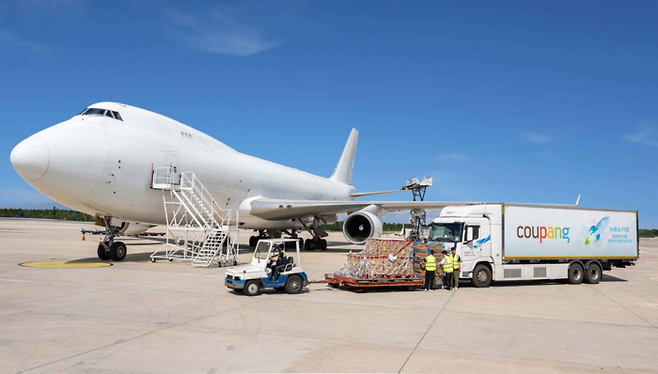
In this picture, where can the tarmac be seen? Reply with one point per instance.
(169, 317)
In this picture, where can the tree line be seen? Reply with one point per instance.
(54, 213)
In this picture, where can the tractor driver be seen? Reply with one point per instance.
(272, 262)
(280, 263)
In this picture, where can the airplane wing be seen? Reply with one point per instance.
(275, 209)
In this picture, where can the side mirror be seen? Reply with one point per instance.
(469, 235)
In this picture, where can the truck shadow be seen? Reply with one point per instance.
(605, 279)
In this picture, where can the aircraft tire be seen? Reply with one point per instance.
(323, 244)
(118, 251)
(102, 253)
(309, 245)
(253, 241)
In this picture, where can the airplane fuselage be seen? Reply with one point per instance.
(103, 166)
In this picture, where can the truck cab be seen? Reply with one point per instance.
(252, 278)
(469, 229)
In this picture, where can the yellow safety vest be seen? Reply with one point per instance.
(455, 261)
(430, 263)
(447, 264)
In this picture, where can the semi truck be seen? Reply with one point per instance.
(502, 242)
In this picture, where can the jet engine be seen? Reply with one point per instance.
(360, 226)
(136, 228)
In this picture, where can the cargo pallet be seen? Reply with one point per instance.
(360, 284)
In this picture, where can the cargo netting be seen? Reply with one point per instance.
(381, 259)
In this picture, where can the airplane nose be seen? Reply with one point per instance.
(31, 158)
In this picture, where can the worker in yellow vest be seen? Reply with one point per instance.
(430, 269)
(456, 265)
(448, 268)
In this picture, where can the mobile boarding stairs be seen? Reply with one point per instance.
(198, 229)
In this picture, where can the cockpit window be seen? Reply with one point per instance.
(94, 112)
(101, 112)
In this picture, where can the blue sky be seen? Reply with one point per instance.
(498, 101)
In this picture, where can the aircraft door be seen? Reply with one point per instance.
(171, 161)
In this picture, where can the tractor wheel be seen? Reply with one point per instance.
(295, 284)
(252, 288)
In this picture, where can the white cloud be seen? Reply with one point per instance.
(646, 134)
(219, 33)
(535, 137)
(7, 37)
(452, 157)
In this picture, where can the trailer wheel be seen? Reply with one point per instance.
(252, 288)
(593, 273)
(575, 273)
(294, 284)
(481, 276)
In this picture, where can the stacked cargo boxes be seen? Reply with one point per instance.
(420, 252)
(381, 259)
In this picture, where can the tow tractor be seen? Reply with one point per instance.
(252, 278)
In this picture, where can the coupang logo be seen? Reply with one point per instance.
(595, 231)
(543, 233)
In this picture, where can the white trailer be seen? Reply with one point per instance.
(507, 242)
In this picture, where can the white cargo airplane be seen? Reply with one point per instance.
(101, 162)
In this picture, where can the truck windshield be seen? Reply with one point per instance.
(446, 232)
(261, 250)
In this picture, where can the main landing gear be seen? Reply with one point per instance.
(275, 234)
(317, 243)
(108, 249)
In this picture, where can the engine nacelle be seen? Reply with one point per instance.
(360, 226)
(136, 228)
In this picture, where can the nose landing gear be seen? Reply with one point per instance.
(108, 249)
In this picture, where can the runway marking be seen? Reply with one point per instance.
(650, 305)
(64, 265)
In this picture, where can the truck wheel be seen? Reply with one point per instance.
(294, 284)
(252, 288)
(481, 276)
(593, 273)
(575, 275)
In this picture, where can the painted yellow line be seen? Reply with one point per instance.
(64, 265)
